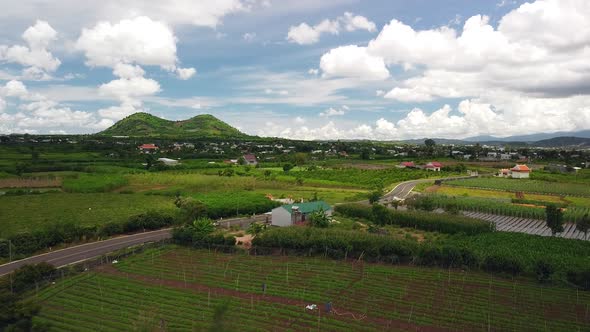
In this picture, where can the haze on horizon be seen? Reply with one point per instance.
(335, 69)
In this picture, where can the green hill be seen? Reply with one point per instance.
(147, 125)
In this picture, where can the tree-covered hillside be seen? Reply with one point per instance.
(147, 125)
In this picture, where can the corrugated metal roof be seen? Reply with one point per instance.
(308, 207)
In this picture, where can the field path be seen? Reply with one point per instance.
(524, 225)
(339, 313)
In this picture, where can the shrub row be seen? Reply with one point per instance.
(27, 243)
(187, 236)
(459, 251)
(337, 244)
(443, 223)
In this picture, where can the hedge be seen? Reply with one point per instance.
(443, 223)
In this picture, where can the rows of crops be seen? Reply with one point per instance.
(525, 185)
(528, 226)
(113, 303)
(503, 207)
(451, 299)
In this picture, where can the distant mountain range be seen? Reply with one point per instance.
(530, 138)
(580, 139)
(147, 125)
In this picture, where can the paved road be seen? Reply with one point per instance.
(402, 190)
(82, 252)
(524, 225)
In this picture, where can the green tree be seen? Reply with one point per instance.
(21, 168)
(583, 225)
(149, 161)
(365, 154)
(256, 228)
(242, 161)
(554, 218)
(430, 144)
(202, 227)
(319, 219)
(267, 173)
(375, 195)
(287, 167)
(190, 208)
(300, 158)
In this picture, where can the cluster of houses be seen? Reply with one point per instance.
(430, 166)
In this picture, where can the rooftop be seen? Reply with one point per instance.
(308, 207)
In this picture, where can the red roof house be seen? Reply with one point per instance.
(148, 148)
(520, 172)
(433, 166)
(407, 164)
(250, 159)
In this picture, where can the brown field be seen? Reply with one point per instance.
(31, 183)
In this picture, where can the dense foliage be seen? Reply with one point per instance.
(16, 313)
(337, 243)
(230, 204)
(443, 223)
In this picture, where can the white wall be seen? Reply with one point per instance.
(520, 175)
(281, 217)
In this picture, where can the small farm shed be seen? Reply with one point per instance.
(291, 214)
(168, 161)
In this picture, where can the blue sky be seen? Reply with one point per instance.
(299, 69)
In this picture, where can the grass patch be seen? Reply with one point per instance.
(26, 213)
(524, 185)
(90, 183)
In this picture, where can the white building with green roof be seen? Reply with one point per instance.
(298, 213)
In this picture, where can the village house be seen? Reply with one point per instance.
(406, 164)
(148, 148)
(433, 166)
(298, 213)
(250, 159)
(516, 172)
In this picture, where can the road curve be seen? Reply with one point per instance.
(86, 251)
(402, 190)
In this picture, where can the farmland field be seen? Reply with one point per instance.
(525, 185)
(504, 207)
(28, 212)
(184, 289)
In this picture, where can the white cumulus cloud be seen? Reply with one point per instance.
(305, 34)
(353, 61)
(36, 57)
